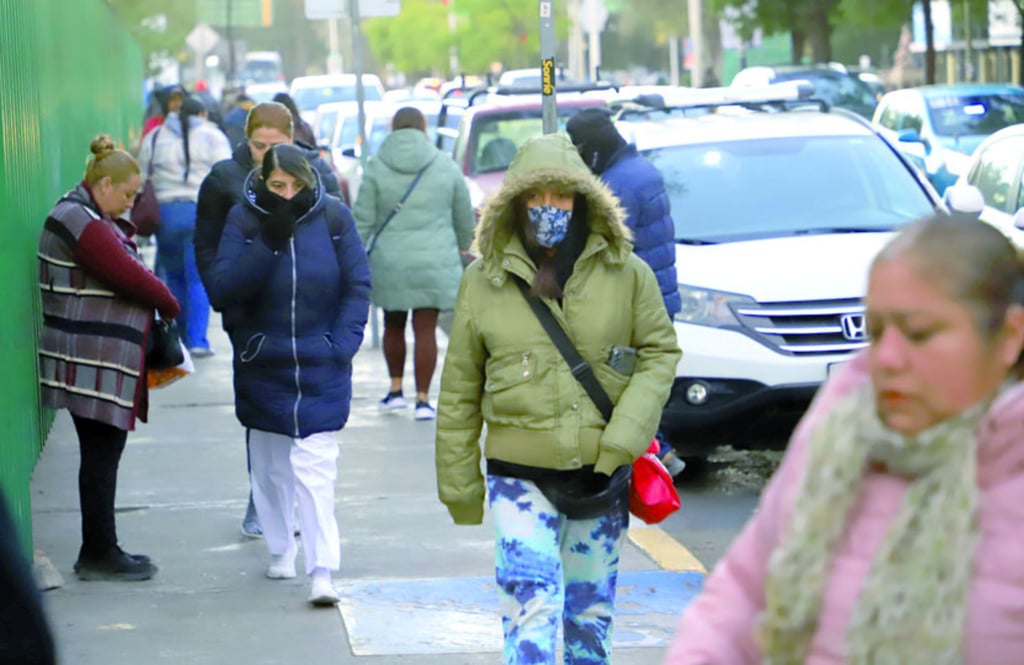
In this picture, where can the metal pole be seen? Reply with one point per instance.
(968, 57)
(593, 41)
(696, 43)
(453, 32)
(549, 107)
(357, 66)
(232, 79)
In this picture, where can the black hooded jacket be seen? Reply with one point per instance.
(223, 188)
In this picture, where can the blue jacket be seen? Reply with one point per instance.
(641, 190)
(302, 312)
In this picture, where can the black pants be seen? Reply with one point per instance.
(101, 446)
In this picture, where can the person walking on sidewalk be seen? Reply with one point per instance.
(181, 153)
(266, 125)
(640, 189)
(557, 474)
(293, 270)
(891, 531)
(98, 301)
(414, 213)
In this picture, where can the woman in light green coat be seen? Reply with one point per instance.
(415, 258)
(556, 471)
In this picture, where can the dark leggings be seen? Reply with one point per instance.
(101, 446)
(424, 324)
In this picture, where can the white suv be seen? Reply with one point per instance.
(778, 214)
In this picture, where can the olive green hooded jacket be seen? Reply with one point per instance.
(502, 369)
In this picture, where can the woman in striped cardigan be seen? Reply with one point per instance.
(98, 301)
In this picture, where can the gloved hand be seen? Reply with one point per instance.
(276, 227)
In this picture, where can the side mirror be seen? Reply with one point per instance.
(349, 152)
(964, 199)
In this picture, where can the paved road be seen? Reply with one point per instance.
(416, 588)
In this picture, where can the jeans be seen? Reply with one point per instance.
(176, 256)
(550, 568)
(101, 446)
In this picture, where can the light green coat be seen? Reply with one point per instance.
(415, 262)
(502, 369)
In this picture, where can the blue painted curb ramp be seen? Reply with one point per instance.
(460, 615)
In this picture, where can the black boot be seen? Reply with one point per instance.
(116, 565)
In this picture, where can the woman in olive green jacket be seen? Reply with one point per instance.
(556, 472)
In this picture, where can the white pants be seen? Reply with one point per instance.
(285, 468)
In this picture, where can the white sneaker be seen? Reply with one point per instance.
(425, 412)
(322, 593)
(393, 401)
(282, 567)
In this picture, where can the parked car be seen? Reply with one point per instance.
(483, 130)
(309, 92)
(347, 151)
(996, 169)
(778, 214)
(832, 84)
(938, 127)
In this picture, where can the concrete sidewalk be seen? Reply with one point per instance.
(416, 588)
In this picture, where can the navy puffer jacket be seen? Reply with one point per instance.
(301, 313)
(641, 190)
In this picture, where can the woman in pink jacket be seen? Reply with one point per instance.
(890, 532)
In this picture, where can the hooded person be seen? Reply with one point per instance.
(556, 471)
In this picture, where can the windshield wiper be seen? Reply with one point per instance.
(695, 241)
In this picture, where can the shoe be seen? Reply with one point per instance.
(282, 567)
(252, 529)
(424, 411)
(322, 593)
(392, 401)
(201, 352)
(117, 566)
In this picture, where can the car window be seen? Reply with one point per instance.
(913, 114)
(308, 99)
(996, 173)
(891, 115)
(325, 129)
(497, 136)
(789, 185)
(379, 130)
(956, 115)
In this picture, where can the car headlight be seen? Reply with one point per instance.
(704, 307)
(956, 162)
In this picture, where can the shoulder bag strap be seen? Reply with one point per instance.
(152, 154)
(582, 370)
(372, 241)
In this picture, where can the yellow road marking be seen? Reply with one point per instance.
(666, 551)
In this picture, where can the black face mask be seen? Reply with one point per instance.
(274, 203)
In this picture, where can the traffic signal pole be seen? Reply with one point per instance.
(549, 110)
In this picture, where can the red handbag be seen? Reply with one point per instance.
(652, 494)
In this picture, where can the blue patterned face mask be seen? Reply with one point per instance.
(550, 224)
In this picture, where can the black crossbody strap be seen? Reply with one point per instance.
(580, 368)
(372, 242)
(152, 154)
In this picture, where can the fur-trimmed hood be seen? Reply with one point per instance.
(551, 159)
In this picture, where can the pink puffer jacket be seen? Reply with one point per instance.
(718, 628)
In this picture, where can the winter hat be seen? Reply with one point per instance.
(594, 135)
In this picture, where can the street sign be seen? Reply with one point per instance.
(326, 9)
(202, 39)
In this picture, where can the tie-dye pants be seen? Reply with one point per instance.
(550, 567)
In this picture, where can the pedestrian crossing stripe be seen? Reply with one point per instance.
(460, 615)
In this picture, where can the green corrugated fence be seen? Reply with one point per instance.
(68, 71)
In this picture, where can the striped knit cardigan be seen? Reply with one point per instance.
(98, 301)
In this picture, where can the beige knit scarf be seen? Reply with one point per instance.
(912, 606)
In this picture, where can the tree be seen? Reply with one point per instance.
(1019, 4)
(157, 26)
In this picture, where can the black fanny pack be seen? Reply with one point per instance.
(587, 495)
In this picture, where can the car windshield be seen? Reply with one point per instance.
(307, 99)
(741, 190)
(957, 115)
(260, 71)
(499, 136)
(846, 92)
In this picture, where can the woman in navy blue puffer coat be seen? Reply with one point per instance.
(293, 272)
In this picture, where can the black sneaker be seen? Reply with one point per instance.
(118, 565)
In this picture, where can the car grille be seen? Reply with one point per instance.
(808, 328)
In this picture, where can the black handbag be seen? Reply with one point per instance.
(146, 210)
(164, 349)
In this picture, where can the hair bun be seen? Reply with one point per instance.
(102, 143)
